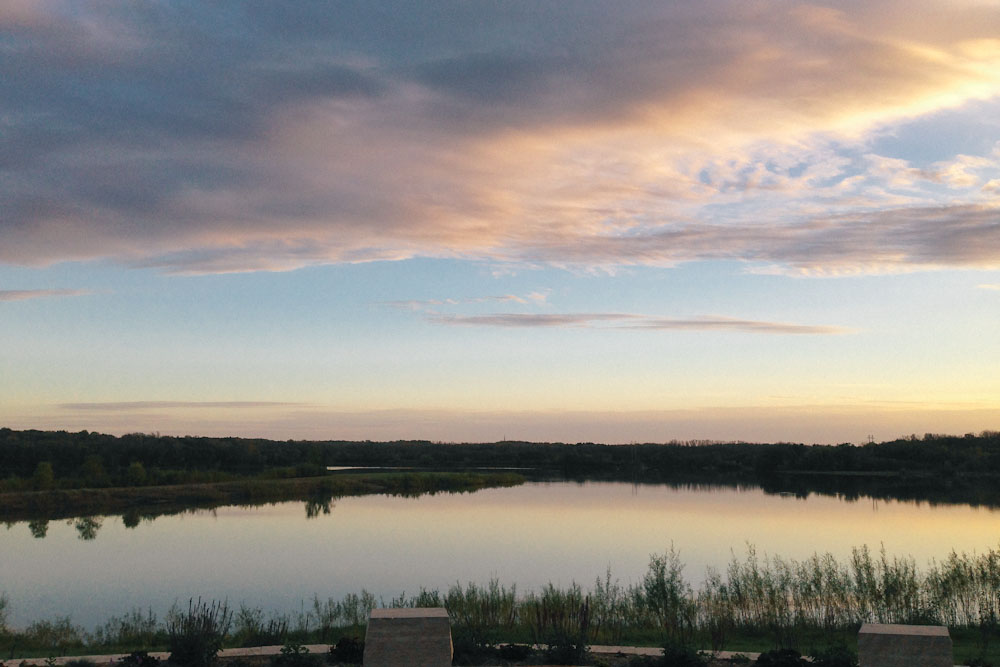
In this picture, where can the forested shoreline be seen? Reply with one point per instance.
(96, 457)
(59, 474)
(32, 460)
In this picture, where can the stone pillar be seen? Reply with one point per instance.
(884, 645)
(417, 637)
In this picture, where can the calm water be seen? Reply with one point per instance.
(276, 558)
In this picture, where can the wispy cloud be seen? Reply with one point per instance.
(634, 321)
(23, 295)
(536, 297)
(438, 130)
(738, 325)
(989, 286)
(167, 405)
(529, 319)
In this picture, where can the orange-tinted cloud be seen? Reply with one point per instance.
(558, 134)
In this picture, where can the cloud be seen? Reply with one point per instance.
(989, 286)
(738, 325)
(23, 295)
(633, 321)
(529, 320)
(537, 297)
(127, 406)
(220, 137)
(881, 242)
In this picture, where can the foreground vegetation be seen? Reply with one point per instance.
(757, 604)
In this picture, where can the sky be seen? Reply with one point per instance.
(477, 221)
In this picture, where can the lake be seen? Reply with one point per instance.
(278, 556)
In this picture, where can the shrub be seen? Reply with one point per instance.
(561, 621)
(139, 659)
(58, 635)
(835, 656)
(252, 630)
(567, 651)
(784, 657)
(196, 636)
(80, 662)
(466, 651)
(348, 649)
(134, 628)
(515, 652)
(668, 596)
(680, 655)
(294, 655)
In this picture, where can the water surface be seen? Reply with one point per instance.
(276, 557)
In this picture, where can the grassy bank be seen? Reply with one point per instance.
(756, 605)
(151, 501)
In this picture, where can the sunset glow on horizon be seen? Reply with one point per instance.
(638, 221)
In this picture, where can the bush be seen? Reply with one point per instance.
(139, 659)
(132, 629)
(784, 657)
(561, 621)
(567, 652)
(835, 656)
(79, 662)
(681, 655)
(252, 630)
(294, 655)
(196, 636)
(469, 652)
(515, 652)
(57, 636)
(668, 596)
(348, 649)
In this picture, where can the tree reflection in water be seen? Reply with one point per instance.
(39, 528)
(87, 527)
(318, 506)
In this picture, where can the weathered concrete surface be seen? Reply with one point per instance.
(419, 637)
(884, 645)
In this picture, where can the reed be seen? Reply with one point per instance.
(761, 596)
(132, 629)
(197, 636)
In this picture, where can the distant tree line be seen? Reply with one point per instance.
(40, 460)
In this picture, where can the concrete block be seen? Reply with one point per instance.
(419, 637)
(885, 645)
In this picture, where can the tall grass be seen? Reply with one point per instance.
(132, 629)
(197, 636)
(755, 595)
